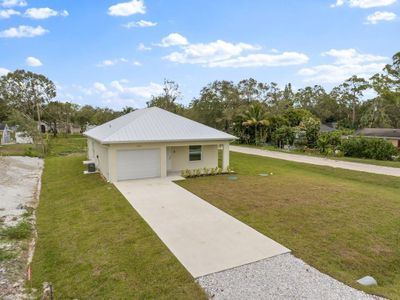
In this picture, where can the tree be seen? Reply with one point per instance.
(167, 100)
(350, 92)
(27, 92)
(256, 117)
(217, 106)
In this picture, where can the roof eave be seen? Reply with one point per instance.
(168, 141)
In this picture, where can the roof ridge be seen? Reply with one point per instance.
(130, 123)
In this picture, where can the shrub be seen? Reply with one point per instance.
(372, 148)
(329, 141)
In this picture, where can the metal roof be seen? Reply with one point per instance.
(379, 132)
(154, 125)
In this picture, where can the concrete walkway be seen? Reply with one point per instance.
(319, 161)
(203, 238)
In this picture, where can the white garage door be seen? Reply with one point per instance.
(134, 164)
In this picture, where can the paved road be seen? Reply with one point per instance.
(203, 238)
(319, 161)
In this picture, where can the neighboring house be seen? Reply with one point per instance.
(390, 134)
(327, 127)
(6, 135)
(153, 142)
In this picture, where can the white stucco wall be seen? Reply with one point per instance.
(180, 158)
(99, 154)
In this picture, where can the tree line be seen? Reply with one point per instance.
(254, 111)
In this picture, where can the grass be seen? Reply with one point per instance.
(58, 146)
(18, 150)
(6, 255)
(385, 163)
(93, 245)
(342, 222)
(19, 232)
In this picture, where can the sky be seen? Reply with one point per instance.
(118, 53)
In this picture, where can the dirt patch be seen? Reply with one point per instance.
(20, 187)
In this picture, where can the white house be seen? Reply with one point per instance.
(153, 142)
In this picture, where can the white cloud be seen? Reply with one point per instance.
(127, 8)
(23, 31)
(33, 62)
(100, 87)
(7, 13)
(3, 71)
(141, 23)
(229, 55)
(120, 92)
(12, 3)
(364, 3)
(380, 16)
(116, 61)
(173, 39)
(111, 62)
(263, 60)
(142, 47)
(347, 62)
(351, 56)
(44, 13)
(206, 53)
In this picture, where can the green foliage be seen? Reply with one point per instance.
(284, 135)
(167, 100)
(19, 232)
(6, 255)
(329, 141)
(372, 148)
(310, 128)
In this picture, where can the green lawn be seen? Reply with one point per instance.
(93, 245)
(385, 163)
(17, 150)
(344, 223)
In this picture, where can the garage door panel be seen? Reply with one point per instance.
(134, 164)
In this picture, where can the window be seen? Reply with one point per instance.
(194, 153)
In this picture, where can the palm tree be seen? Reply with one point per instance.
(256, 116)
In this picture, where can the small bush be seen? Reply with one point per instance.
(372, 148)
(19, 232)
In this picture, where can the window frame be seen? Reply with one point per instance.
(198, 152)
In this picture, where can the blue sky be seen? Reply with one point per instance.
(117, 53)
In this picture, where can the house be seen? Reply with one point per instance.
(390, 134)
(153, 142)
(323, 128)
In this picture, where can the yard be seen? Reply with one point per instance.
(385, 163)
(342, 222)
(92, 244)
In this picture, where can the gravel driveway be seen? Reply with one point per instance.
(280, 277)
(319, 161)
(19, 189)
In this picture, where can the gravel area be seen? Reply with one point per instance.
(19, 191)
(280, 277)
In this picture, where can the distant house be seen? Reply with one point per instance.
(153, 142)
(323, 128)
(390, 134)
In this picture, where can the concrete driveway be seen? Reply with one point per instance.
(203, 238)
(319, 161)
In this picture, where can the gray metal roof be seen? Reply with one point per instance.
(379, 132)
(154, 125)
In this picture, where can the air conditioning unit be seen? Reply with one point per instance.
(91, 167)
